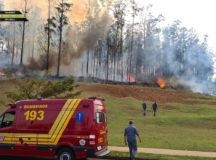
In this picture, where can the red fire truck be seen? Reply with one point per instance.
(54, 128)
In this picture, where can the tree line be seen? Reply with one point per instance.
(124, 42)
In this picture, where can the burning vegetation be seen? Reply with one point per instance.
(161, 83)
(131, 79)
(2, 74)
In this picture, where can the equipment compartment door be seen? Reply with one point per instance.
(24, 138)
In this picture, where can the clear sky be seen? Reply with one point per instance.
(197, 14)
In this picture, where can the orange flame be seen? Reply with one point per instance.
(2, 74)
(131, 79)
(161, 83)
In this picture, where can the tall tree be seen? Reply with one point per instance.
(23, 32)
(48, 35)
(119, 15)
(90, 24)
(13, 46)
(135, 10)
(50, 29)
(62, 20)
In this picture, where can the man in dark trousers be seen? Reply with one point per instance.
(130, 134)
(154, 108)
(144, 105)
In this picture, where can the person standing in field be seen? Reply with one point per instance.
(130, 135)
(144, 105)
(154, 108)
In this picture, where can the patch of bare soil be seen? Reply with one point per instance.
(141, 93)
(162, 96)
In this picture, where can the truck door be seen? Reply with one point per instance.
(101, 120)
(101, 127)
(25, 139)
(6, 132)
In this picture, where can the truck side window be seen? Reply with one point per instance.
(1, 118)
(105, 117)
(7, 119)
(99, 117)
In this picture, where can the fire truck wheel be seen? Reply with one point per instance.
(65, 154)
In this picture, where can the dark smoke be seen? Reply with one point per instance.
(72, 50)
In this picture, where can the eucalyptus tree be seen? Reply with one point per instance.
(23, 31)
(61, 20)
(134, 13)
(119, 13)
(91, 27)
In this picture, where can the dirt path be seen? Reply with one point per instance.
(140, 150)
(167, 152)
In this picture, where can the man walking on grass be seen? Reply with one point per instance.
(144, 105)
(130, 134)
(154, 108)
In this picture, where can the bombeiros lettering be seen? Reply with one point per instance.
(35, 106)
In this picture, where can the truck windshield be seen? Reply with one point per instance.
(7, 119)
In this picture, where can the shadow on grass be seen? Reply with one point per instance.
(103, 158)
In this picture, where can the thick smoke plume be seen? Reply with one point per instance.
(75, 42)
(73, 49)
(183, 59)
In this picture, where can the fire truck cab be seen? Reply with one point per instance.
(64, 129)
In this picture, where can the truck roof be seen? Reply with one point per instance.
(57, 100)
(40, 100)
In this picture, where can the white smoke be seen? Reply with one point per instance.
(1, 5)
(194, 69)
(5, 57)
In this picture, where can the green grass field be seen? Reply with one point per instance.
(177, 126)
